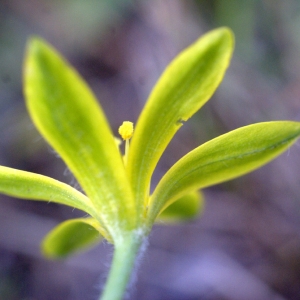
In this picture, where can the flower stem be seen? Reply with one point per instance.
(123, 263)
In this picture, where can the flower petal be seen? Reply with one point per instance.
(33, 186)
(70, 237)
(67, 114)
(223, 158)
(185, 208)
(186, 84)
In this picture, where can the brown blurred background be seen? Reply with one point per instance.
(246, 244)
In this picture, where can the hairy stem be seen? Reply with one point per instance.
(123, 263)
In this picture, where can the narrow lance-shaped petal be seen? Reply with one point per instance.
(186, 84)
(225, 157)
(27, 185)
(67, 114)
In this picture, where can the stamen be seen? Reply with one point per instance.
(126, 132)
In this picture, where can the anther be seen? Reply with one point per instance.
(126, 130)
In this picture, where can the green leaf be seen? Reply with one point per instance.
(186, 84)
(33, 186)
(70, 237)
(67, 114)
(185, 208)
(225, 157)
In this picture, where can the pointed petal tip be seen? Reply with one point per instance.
(34, 42)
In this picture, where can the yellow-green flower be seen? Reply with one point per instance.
(116, 188)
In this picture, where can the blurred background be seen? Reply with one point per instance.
(246, 243)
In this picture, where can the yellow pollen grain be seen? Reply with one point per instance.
(126, 130)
